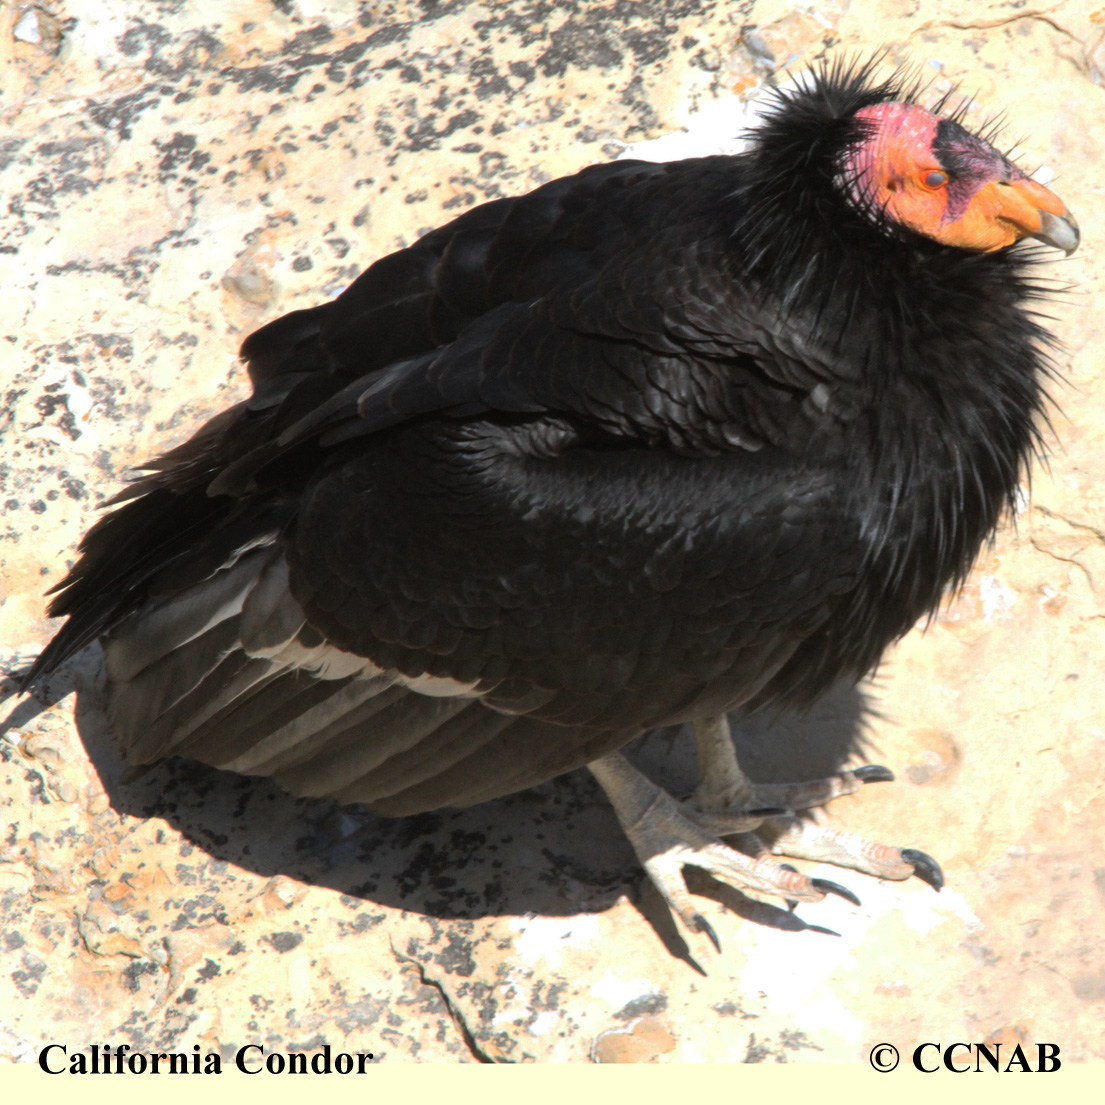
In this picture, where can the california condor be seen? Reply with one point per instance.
(652, 444)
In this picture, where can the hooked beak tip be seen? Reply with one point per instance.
(1060, 231)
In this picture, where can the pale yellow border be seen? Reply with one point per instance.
(564, 1084)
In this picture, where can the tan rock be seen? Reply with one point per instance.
(172, 179)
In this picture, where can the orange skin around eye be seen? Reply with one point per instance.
(895, 169)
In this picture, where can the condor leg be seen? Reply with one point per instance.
(724, 793)
(669, 835)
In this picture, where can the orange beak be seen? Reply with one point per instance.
(1004, 211)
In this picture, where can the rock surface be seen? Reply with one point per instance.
(175, 174)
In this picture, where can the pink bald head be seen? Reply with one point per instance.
(936, 178)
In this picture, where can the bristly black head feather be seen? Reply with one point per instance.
(805, 238)
(796, 184)
(870, 294)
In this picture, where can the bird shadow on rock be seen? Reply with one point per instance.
(555, 850)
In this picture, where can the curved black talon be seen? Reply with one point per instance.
(767, 811)
(828, 887)
(924, 867)
(702, 925)
(873, 773)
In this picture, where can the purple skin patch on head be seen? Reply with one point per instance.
(969, 163)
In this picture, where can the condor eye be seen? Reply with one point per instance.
(935, 179)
